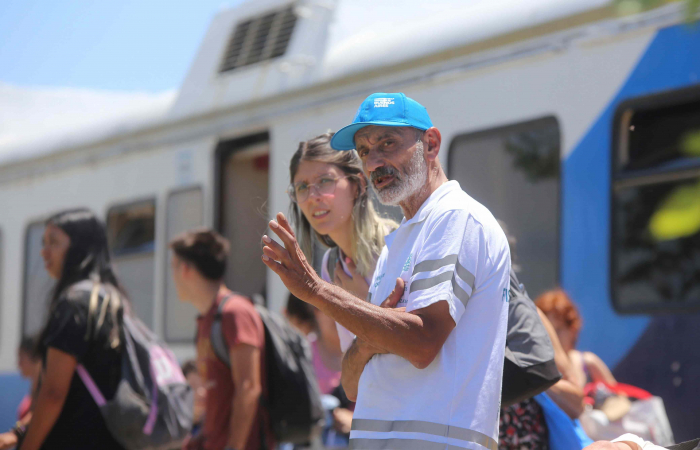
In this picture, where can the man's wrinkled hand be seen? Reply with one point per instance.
(393, 299)
(289, 262)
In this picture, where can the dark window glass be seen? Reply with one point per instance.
(514, 172)
(663, 138)
(131, 229)
(657, 245)
(655, 239)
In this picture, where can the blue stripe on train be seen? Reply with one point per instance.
(13, 388)
(671, 61)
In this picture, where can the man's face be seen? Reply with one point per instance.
(393, 160)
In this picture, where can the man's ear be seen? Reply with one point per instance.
(185, 269)
(432, 139)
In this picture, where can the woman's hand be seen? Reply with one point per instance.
(7, 440)
(289, 262)
(353, 283)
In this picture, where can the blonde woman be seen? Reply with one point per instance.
(330, 199)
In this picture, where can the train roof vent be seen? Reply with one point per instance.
(259, 39)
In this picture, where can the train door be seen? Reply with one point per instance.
(243, 216)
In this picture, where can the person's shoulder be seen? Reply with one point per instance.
(591, 359)
(77, 295)
(237, 303)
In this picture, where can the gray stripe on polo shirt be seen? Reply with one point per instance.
(460, 293)
(425, 283)
(434, 264)
(417, 426)
(400, 444)
(465, 275)
(395, 444)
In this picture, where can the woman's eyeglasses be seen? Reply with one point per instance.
(300, 192)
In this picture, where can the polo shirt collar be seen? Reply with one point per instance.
(425, 209)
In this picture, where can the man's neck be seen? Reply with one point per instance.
(204, 294)
(410, 206)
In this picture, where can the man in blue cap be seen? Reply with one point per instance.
(427, 364)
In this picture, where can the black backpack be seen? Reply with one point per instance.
(529, 366)
(293, 397)
(152, 407)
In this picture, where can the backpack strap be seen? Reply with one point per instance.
(92, 308)
(333, 256)
(516, 287)
(216, 336)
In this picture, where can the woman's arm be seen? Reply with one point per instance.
(55, 383)
(598, 369)
(354, 362)
(565, 393)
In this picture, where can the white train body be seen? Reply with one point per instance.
(219, 157)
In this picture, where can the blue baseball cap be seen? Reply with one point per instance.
(386, 110)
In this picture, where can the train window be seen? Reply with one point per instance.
(131, 235)
(37, 282)
(514, 171)
(655, 236)
(183, 212)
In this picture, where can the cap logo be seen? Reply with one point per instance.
(383, 102)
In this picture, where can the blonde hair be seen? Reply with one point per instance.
(368, 228)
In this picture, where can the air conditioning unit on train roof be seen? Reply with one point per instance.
(257, 50)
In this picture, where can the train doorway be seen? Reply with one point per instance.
(242, 209)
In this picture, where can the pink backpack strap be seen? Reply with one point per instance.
(90, 385)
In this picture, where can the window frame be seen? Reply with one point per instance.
(179, 190)
(514, 126)
(620, 179)
(25, 272)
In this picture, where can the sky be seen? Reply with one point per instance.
(126, 45)
(71, 63)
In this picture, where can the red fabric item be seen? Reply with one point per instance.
(24, 407)
(619, 389)
(241, 324)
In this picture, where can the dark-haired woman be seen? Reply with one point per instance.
(65, 416)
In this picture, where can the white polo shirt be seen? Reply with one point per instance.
(454, 250)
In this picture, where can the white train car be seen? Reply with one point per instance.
(536, 101)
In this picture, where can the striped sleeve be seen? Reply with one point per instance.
(447, 263)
